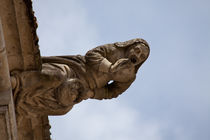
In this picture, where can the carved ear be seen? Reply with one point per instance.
(130, 42)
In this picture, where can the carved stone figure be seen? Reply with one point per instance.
(41, 86)
(103, 73)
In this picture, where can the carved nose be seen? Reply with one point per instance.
(137, 50)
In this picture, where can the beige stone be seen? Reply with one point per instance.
(7, 114)
(44, 86)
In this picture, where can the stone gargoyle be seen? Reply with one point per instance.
(104, 72)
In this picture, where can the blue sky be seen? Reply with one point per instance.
(170, 98)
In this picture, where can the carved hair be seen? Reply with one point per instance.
(131, 42)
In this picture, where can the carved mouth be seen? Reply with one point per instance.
(133, 59)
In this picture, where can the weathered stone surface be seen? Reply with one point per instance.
(53, 85)
(5, 132)
(7, 115)
(67, 80)
(21, 41)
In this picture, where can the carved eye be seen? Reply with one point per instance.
(142, 56)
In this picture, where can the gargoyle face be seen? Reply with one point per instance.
(138, 53)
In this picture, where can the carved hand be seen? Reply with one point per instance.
(123, 70)
(120, 65)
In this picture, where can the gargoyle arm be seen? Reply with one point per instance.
(97, 58)
(112, 90)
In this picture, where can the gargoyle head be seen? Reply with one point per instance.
(137, 50)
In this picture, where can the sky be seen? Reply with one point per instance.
(170, 98)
